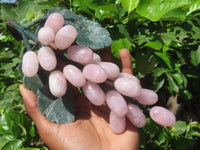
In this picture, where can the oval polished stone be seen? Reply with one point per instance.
(162, 116)
(80, 54)
(46, 35)
(95, 59)
(117, 123)
(57, 83)
(111, 69)
(47, 58)
(30, 64)
(94, 73)
(129, 76)
(136, 116)
(94, 93)
(74, 75)
(147, 97)
(127, 87)
(116, 103)
(55, 21)
(65, 37)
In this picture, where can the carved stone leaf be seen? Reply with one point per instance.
(60, 110)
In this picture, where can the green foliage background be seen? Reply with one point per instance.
(163, 37)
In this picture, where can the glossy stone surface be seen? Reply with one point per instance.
(94, 73)
(95, 59)
(127, 87)
(74, 75)
(162, 116)
(57, 83)
(46, 35)
(136, 116)
(80, 54)
(30, 64)
(111, 69)
(55, 21)
(116, 103)
(129, 76)
(147, 97)
(94, 93)
(47, 58)
(65, 37)
(117, 123)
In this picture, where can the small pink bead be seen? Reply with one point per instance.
(46, 35)
(162, 116)
(129, 76)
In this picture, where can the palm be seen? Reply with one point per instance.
(90, 131)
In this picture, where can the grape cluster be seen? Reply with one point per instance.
(90, 76)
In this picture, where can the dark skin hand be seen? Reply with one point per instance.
(91, 130)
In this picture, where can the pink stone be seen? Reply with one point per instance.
(147, 97)
(54, 21)
(162, 116)
(94, 93)
(129, 76)
(80, 54)
(116, 103)
(111, 69)
(65, 37)
(136, 116)
(95, 59)
(127, 87)
(30, 64)
(117, 123)
(74, 75)
(94, 73)
(57, 83)
(46, 35)
(47, 58)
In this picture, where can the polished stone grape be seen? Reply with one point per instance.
(47, 58)
(55, 21)
(65, 37)
(116, 103)
(57, 83)
(136, 116)
(111, 69)
(94, 93)
(129, 76)
(80, 54)
(74, 75)
(94, 73)
(30, 64)
(127, 87)
(162, 116)
(46, 35)
(147, 97)
(117, 123)
(95, 59)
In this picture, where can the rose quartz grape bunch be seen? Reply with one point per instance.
(93, 73)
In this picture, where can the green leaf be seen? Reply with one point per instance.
(157, 45)
(168, 36)
(13, 145)
(59, 110)
(129, 5)
(163, 56)
(194, 6)
(180, 127)
(5, 139)
(176, 14)
(155, 9)
(178, 78)
(172, 84)
(195, 57)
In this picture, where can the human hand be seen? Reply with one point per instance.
(91, 130)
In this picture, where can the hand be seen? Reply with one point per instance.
(91, 130)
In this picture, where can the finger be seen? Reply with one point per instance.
(106, 54)
(126, 62)
(30, 101)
